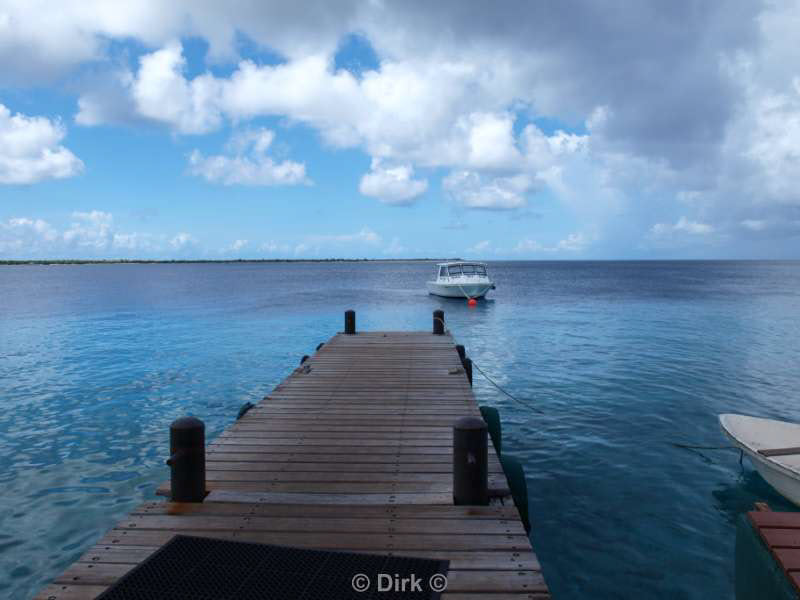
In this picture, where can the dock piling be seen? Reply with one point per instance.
(350, 322)
(468, 369)
(462, 353)
(470, 462)
(438, 322)
(187, 460)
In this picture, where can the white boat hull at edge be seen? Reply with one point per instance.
(752, 434)
(454, 290)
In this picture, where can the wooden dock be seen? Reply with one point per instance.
(353, 451)
(779, 533)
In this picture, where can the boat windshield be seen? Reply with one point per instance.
(454, 270)
(468, 270)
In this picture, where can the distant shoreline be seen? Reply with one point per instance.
(144, 261)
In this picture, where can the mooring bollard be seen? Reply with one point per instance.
(438, 322)
(468, 369)
(470, 461)
(304, 359)
(462, 353)
(187, 461)
(350, 322)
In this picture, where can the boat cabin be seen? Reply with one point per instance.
(447, 270)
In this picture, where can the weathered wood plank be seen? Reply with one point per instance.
(362, 511)
(330, 541)
(490, 561)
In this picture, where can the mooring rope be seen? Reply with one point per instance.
(492, 381)
(495, 384)
(690, 447)
(697, 449)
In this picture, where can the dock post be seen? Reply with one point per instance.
(438, 322)
(462, 353)
(187, 461)
(349, 322)
(470, 462)
(468, 369)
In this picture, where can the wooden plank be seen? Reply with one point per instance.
(780, 451)
(332, 449)
(789, 558)
(325, 525)
(493, 561)
(785, 520)
(261, 455)
(781, 538)
(444, 498)
(385, 476)
(298, 466)
(362, 511)
(330, 541)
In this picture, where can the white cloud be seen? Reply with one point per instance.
(182, 241)
(365, 236)
(163, 94)
(473, 190)
(90, 234)
(394, 248)
(238, 245)
(23, 234)
(108, 99)
(91, 230)
(340, 243)
(573, 243)
(480, 247)
(248, 164)
(754, 224)
(392, 185)
(31, 150)
(490, 140)
(273, 247)
(683, 225)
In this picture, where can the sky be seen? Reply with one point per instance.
(375, 129)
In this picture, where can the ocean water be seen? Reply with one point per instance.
(620, 360)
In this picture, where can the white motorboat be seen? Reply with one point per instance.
(772, 446)
(461, 280)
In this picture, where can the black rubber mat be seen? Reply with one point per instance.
(197, 568)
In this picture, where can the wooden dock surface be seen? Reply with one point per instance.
(780, 532)
(352, 452)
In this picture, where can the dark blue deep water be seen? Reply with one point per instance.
(623, 359)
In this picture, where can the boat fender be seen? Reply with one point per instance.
(320, 345)
(243, 410)
(304, 359)
(519, 487)
(492, 418)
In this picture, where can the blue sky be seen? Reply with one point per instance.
(384, 130)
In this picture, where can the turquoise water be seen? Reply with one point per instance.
(622, 358)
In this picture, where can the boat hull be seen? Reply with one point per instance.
(752, 434)
(466, 290)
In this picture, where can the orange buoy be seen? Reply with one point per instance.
(472, 302)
